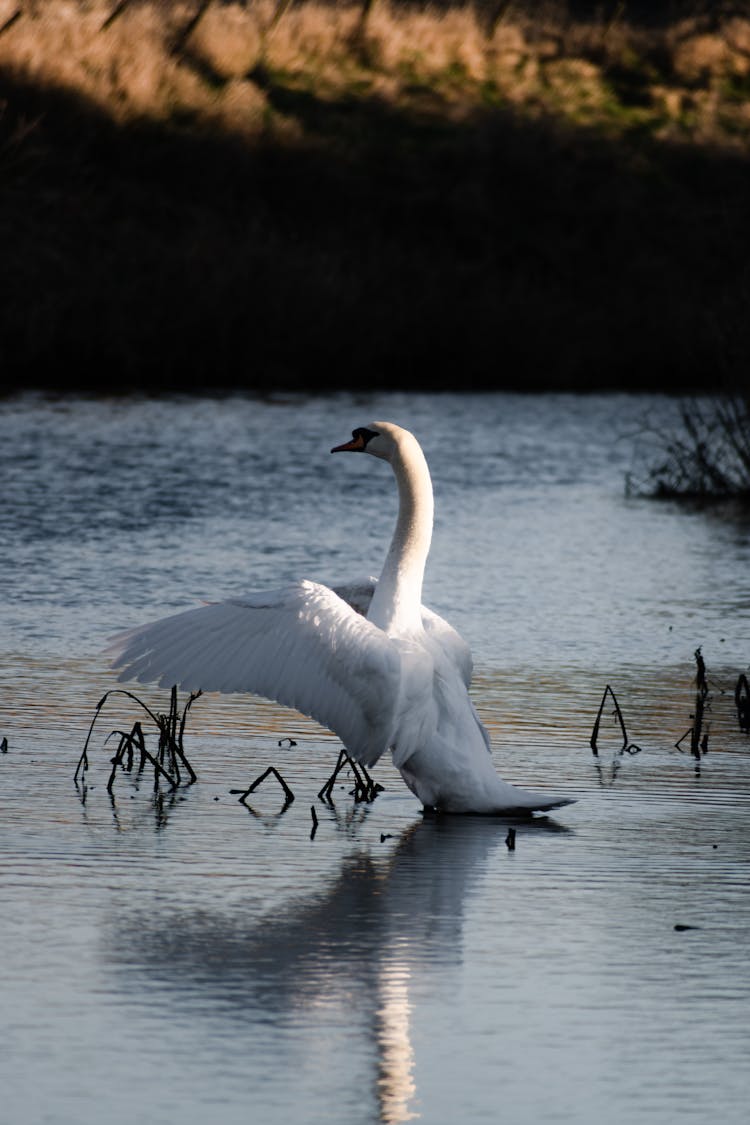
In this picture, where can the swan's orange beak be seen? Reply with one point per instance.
(356, 445)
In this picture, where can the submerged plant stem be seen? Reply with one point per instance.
(627, 747)
(170, 752)
(245, 793)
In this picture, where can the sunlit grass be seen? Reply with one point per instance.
(675, 81)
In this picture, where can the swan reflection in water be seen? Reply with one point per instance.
(363, 944)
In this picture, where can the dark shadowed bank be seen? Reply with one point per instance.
(404, 242)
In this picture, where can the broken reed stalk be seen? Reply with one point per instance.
(83, 761)
(742, 703)
(365, 789)
(171, 733)
(699, 744)
(698, 737)
(245, 793)
(125, 756)
(170, 752)
(181, 734)
(627, 747)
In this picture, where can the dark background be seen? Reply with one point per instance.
(386, 247)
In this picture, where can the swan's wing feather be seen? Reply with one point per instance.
(482, 728)
(358, 594)
(452, 643)
(302, 646)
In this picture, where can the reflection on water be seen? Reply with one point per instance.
(352, 949)
(175, 957)
(396, 1088)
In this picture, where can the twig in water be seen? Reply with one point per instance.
(180, 748)
(287, 739)
(679, 742)
(245, 793)
(83, 761)
(627, 747)
(698, 737)
(4, 746)
(741, 701)
(510, 840)
(315, 822)
(365, 789)
(325, 793)
(124, 757)
(171, 733)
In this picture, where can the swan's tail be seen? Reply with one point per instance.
(474, 787)
(510, 802)
(511, 799)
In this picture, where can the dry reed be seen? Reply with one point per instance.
(170, 753)
(705, 459)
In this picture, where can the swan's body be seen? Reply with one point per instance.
(366, 660)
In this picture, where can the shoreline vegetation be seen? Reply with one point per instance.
(300, 196)
(704, 460)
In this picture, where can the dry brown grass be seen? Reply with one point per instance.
(679, 82)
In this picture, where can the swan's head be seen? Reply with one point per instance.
(381, 439)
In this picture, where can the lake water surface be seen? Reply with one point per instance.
(184, 958)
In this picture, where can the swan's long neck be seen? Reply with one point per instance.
(396, 603)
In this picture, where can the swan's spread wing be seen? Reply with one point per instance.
(302, 646)
(358, 594)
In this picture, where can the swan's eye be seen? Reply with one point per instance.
(365, 434)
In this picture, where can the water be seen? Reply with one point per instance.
(176, 958)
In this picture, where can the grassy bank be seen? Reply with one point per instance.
(426, 200)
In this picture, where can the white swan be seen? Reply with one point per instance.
(366, 660)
